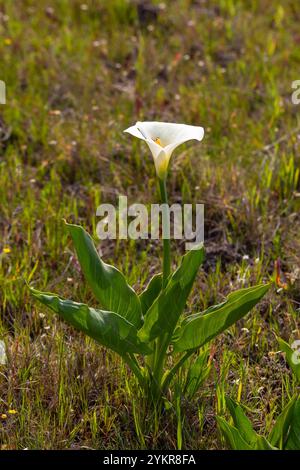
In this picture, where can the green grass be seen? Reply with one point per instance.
(76, 77)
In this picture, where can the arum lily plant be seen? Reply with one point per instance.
(148, 328)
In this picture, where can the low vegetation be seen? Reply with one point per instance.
(77, 74)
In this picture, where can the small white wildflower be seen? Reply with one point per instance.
(3, 357)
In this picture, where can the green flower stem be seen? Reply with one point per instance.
(166, 229)
(160, 343)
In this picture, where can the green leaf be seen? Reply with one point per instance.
(292, 357)
(263, 444)
(232, 435)
(197, 373)
(293, 441)
(163, 314)
(107, 328)
(241, 422)
(279, 433)
(107, 282)
(235, 437)
(151, 292)
(198, 329)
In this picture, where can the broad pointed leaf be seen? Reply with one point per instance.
(232, 435)
(279, 434)
(107, 282)
(293, 441)
(107, 328)
(198, 329)
(197, 373)
(241, 422)
(235, 438)
(151, 292)
(164, 313)
(263, 444)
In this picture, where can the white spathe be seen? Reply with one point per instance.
(163, 138)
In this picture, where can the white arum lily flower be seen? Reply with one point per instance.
(163, 138)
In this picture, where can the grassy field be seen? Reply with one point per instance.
(77, 74)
